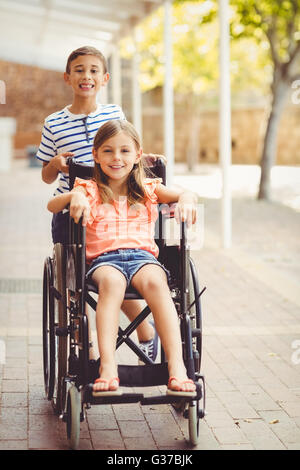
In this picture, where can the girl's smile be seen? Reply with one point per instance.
(117, 156)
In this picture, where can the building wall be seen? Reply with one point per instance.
(247, 129)
(33, 93)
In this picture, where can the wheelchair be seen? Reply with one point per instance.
(69, 374)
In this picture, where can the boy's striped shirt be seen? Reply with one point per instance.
(67, 132)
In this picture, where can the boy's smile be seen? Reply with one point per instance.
(86, 76)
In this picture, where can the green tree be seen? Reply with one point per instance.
(269, 30)
(277, 21)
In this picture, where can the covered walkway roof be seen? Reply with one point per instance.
(44, 32)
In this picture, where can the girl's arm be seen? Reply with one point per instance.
(79, 204)
(186, 202)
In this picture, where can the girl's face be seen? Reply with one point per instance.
(117, 155)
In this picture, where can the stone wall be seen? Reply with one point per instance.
(33, 93)
(198, 132)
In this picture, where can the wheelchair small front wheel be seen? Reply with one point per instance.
(193, 417)
(73, 417)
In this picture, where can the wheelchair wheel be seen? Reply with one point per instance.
(73, 417)
(195, 315)
(193, 417)
(48, 329)
(61, 323)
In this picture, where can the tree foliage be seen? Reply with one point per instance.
(195, 53)
(265, 55)
(278, 22)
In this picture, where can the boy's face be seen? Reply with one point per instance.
(86, 76)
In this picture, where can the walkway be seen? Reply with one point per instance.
(251, 334)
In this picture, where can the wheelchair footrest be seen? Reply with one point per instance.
(148, 375)
(135, 398)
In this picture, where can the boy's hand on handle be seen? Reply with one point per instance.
(79, 206)
(150, 158)
(60, 161)
(185, 210)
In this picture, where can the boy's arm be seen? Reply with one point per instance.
(51, 169)
(186, 202)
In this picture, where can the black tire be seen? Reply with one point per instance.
(196, 324)
(61, 321)
(195, 314)
(48, 329)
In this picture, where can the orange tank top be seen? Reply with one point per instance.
(117, 225)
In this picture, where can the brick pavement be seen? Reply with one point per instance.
(251, 321)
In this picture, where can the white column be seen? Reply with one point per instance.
(137, 118)
(7, 131)
(168, 93)
(116, 77)
(225, 122)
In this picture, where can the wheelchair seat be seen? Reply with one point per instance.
(130, 294)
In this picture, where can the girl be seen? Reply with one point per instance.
(119, 209)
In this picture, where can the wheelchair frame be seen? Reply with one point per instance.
(69, 374)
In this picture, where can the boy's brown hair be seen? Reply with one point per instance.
(86, 50)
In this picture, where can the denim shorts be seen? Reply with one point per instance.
(128, 261)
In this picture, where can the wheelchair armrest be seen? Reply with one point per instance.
(170, 212)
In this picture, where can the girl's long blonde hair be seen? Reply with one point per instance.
(136, 177)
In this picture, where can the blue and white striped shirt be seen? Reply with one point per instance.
(67, 132)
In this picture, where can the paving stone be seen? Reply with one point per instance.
(230, 435)
(283, 426)
(13, 445)
(260, 435)
(139, 443)
(107, 440)
(14, 400)
(13, 424)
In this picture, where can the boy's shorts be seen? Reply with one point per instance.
(127, 261)
(60, 228)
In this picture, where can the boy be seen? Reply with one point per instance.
(70, 133)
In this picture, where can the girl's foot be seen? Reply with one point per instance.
(107, 382)
(104, 385)
(177, 385)
(179, 382)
